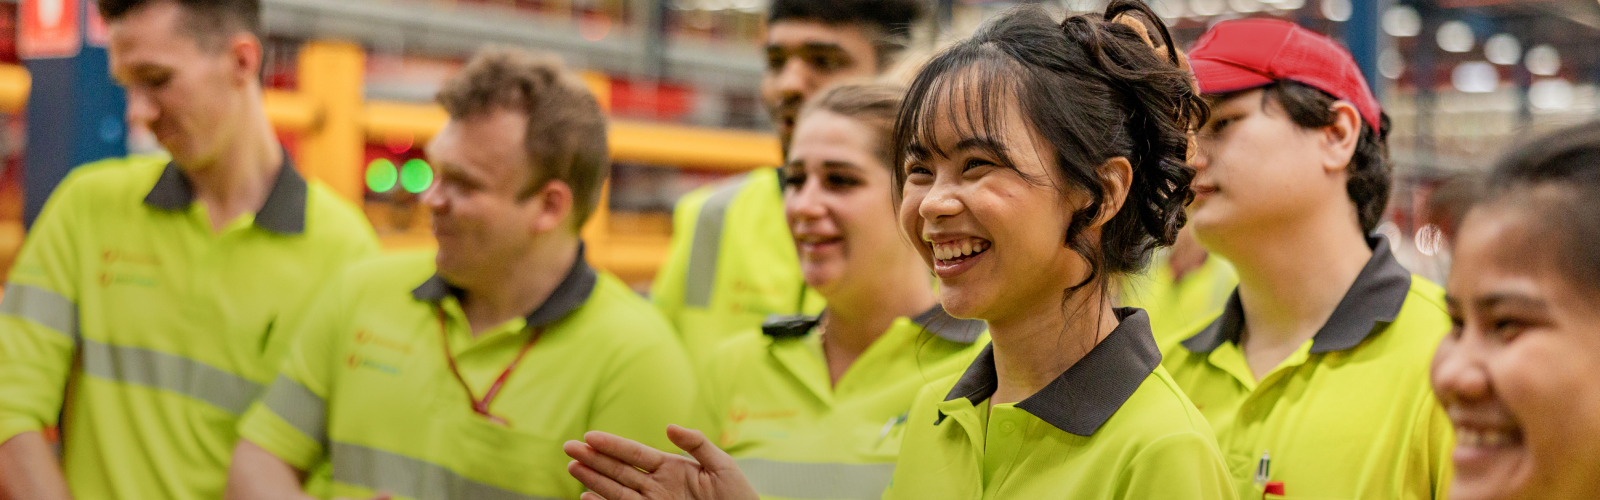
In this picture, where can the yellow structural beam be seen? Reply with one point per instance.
(14, 85)
(390, 120)
(331, 77)
(291, 111)
(632, 142)
(692, 147)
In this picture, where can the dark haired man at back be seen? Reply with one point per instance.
(732, 260)
(142, 308)
(1315, 376)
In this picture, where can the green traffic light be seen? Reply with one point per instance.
(416, 175)
(381, 175)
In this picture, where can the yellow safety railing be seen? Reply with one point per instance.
(334, 125)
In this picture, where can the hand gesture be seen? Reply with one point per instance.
(614, 468)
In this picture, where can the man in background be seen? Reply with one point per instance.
(732, 261)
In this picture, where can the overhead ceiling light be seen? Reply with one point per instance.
(1337, 10)
(1455, 36)
(1551, 94)
(1245, 6)
(1503, 49)
(1475, 77)
(1543, 60)
(1169, 10)
(1390, 64)
(1207, 8)
(1402, 21)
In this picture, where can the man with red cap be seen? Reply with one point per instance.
(1315, 375)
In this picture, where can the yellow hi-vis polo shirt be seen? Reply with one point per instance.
(1113, 426)
(368, 392)
(731, 263)
(155, 331)
(1176, 304)
(795, 434)
(1350, 415)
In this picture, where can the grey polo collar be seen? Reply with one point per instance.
(1374, 300)
(1084, 397)
(935, 321)
(573, 291)
(283, 212)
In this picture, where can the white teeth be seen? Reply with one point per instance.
(947, 251)
(1471, 438)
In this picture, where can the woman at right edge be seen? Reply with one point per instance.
(1037, 162)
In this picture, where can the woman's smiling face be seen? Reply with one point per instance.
(837, 202)
(1517, 375)
(982, 202)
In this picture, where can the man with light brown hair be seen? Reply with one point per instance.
(460, 375)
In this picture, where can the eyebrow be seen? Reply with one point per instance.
(983, 144)
(807, 47)
(454, 171)
(839, 165)
(916, 151)
(826, 165)
(1499, 299)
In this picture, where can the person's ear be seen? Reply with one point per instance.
(551, 204)
(1116, 178)
(1339, 139)
(244, 57)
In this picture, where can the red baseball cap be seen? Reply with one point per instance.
(1249, 53)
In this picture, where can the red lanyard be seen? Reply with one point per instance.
(481, 406)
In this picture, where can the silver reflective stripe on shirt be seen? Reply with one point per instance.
(298, 406)
(158, 370)
(817, 481)
(701, 275)
(379, 470)
(43, 306)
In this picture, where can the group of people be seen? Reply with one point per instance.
(928, 299)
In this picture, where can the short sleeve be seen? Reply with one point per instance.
(39, 317)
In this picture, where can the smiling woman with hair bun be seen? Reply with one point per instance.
(1036, 162)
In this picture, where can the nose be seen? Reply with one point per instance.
(1198, 154)
(941, 201)
(794, 79)
(806, 202)
(1458, 370)
(435, 200)
(142, 108)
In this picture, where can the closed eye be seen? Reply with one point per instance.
(1219, 125)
